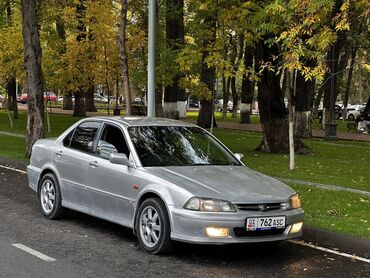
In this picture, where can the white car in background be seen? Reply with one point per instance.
(353, 111)
(100, 99)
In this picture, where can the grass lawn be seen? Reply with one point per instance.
(340, 163)
(338, 211)
(12, 147)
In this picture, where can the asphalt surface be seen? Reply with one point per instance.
(84, 246)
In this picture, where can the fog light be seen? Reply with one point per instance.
(217, 232)
(296, 228)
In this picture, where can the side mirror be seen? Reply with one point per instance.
(239, 156)
(119, 158)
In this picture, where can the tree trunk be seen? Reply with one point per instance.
(303, 103)
(247, 92)
(273, 114)
(158, 102)
(226, 98)
(208, 76)
(79, 109)
(290, 94)
(67, 101)
(349, 81)
(235, 96)
(334, 62)
(89, 100)
(124, 59)
(175, 41)
(34, 80)
(11, 87)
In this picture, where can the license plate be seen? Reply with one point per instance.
(265, 223)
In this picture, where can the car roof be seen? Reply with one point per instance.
(132, 121)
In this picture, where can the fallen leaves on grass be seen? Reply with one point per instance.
(333, 212)
(364, 201)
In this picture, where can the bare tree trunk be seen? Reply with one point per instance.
(173, 94)
(79, 109)
(289, 93)
(247, 92)
(123, 56)
(226, 98)
(67, 101)
(273, 114)
(11, 87)
(349, 81)
(158, 102)
(34, 79)
(303, 103)
(208, 76)
(89, 100)
(235, 96)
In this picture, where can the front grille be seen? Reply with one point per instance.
(261, 207)
(242, 232)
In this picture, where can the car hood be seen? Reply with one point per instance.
(237, 184)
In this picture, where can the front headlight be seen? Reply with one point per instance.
(294, 202)
(210, 205)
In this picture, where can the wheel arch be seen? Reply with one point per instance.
(46, 170)
(145, 196)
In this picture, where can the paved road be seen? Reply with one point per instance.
(84, 246)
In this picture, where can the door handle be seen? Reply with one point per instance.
(59, 153)
(94, 164)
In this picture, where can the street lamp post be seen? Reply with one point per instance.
(331, 127)
(151, 59)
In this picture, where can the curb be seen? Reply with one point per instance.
(13, 163)
(345, 243)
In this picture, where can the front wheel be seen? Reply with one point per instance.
(351, 117)
(153, 227)
(50, 197)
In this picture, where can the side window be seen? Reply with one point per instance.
(67, 139)
(112, 141)
(84, 136)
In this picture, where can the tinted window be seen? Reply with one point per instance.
(84, 136)
(112, 141)
(178, 146)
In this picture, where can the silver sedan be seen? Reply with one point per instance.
(167, 180)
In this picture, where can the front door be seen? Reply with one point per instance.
(109, 185)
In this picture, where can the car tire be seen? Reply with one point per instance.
(153, 227)
(351, 117)
(50, 197)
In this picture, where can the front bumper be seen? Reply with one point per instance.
(189, 226)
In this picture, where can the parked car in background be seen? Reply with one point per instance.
(167, 180)
(48, 96)
(219, 105)
(193, 103)
(338, 112)
(100, 99)
(353, 111)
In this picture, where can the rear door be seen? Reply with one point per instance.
(71, 160)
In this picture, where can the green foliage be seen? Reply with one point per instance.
(11, 43)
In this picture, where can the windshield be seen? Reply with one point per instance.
(178, 146)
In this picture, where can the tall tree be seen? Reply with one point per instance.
(124, 58)
(174, 95)
(273, 114)
(247, 91)
(34, 83)
(208, 71)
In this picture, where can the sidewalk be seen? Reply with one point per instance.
(317, 133)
